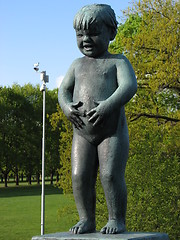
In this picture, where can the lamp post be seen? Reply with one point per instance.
(45, 79)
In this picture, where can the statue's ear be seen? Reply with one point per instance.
(113, 33)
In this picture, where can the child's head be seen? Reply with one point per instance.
(96, 13)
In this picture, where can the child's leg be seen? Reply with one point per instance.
(84, 172)
(113, 155)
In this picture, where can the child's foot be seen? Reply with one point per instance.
(83, 226)
(113, 227)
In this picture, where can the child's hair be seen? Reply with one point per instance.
(96, 12)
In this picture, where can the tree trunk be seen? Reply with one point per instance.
(1, 179)
(51, 180)
(29, 179)
(17, 179)
(38, 178)
(5, 179)
(57, 177)
(22, 177)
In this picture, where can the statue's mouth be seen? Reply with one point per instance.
(88, 47)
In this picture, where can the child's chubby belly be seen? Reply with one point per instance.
(96, 134)
(96, 80)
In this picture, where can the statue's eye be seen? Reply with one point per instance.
(94, 33)
(79, 35)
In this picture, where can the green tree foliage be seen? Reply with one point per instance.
(153, 49)
(21, 132)
(15, 110)
(33, 132)
(11, 137)
(60, 122)
(152, 176)
(52, 138)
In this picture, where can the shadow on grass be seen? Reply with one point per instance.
(33, 190)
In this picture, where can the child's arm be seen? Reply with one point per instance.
(127, 87)
(65, 98)
(127, 83)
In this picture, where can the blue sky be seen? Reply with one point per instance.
(40, 31)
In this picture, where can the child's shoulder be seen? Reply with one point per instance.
(119, 57)
(120, 60)
(77, 61)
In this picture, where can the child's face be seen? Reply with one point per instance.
(94, 41)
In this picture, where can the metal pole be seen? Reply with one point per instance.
(43, 158)
(45, 79)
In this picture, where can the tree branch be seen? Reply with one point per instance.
(149, 48)
(161, 13)
(176, 88)
(153, 116)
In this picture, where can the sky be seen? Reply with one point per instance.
(41, 31)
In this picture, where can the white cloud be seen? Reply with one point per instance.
(59, 81)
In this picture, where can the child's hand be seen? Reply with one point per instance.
(73, 114)
(99, 113)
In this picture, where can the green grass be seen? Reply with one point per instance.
(20, 211)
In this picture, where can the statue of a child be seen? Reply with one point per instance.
(92, 96)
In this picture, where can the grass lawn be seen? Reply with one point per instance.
(20, 209)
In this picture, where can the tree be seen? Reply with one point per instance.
(12, 121)
(21, 131)
(32, 131)
(150, 39)
(52, 138)
(59, 121)
(33, 161)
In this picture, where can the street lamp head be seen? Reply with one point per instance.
(36, 67)
(43, 77)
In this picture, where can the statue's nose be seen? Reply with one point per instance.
(86, 38)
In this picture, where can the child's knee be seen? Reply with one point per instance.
(107, 177)
(111, 178)
(79, 179)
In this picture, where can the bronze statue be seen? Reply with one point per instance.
(92, 96)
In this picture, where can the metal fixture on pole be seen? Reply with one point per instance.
(45, 79)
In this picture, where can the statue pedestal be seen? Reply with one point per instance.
(99, 236)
